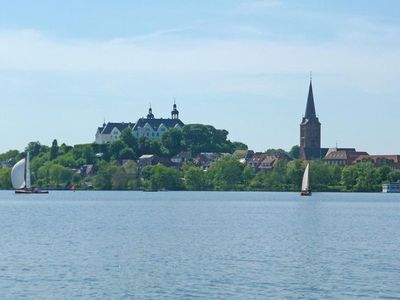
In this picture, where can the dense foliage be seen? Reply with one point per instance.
(113, 166)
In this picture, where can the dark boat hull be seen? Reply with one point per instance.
(31, 191)
(305, 193)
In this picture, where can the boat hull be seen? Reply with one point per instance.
(31, 191)
(305, 193)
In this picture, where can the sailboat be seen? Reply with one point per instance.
(21, 178)
(305, 185)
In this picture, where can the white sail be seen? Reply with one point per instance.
(305, 185)
(28, 172)
(18, 175)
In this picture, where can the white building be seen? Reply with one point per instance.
(111, 131)
(149, 127)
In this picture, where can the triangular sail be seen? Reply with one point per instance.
(305, 185)
(18, 175)
(28, 172)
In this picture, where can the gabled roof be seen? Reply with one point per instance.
(347, 155)
(120, 126)
(155, 123)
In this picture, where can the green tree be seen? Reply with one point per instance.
(366, 178)
(394, 176)
(128, 139)
(60, 175)
(54, 150)
(195, 179)
(5, 178)
(349, 177)
(278, 152)
(126, 153)
(295, 171)
(124, 177)
(172, 140)
(294, 152)
(239, 146)
(34, 148)
(205, 138)
(103, 179)
(115, 149)
(11, 154)
(226, 174)
(160, 177)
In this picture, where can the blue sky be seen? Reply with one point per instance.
(242, 65)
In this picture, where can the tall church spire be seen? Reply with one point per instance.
(310, 108)
(310, 130)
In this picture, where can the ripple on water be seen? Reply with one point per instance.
(127, 245)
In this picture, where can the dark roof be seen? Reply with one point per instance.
(310, 108)
(155, 123)
(120, 126)
(310, 114)
(314, 153)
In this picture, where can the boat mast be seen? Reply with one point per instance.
(27, 173)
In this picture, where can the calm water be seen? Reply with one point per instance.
(133, 245)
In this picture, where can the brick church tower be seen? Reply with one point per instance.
(310, 131)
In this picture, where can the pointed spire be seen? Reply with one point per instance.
(310, 108)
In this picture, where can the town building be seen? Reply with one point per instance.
(153, 128)
(149, 127)
(393, 161)
(111, 131)
(205, 159)
(342, 156)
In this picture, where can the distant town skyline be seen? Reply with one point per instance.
(238, 65)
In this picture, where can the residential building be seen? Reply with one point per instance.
(181, 157)
(392, 161)
(205, 159)
(342, 156)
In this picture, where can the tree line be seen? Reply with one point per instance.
(113, 166)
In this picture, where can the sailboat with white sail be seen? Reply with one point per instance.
(21, 178)
(305, 185)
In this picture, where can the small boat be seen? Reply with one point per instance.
(393, 187)
(21, 178)
(305, 185)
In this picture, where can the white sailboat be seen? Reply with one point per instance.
(21, 178)
(305, 185)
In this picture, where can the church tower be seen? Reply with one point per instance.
(310, 131)
(150, 114)
(174, 112)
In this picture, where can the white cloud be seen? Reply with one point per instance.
(172, 57)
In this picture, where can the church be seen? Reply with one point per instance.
(149, 127)
(310, 131)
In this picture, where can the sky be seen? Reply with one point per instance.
(239, 65)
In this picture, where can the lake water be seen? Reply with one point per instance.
(183, 245)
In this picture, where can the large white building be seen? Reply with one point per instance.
(149, 127)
